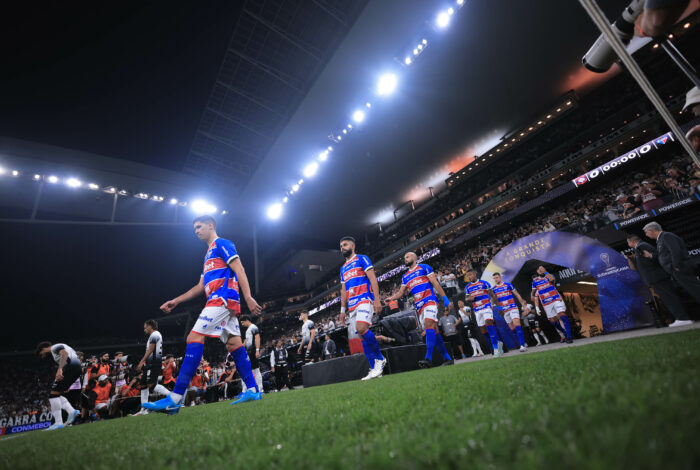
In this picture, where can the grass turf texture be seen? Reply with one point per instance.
(623, 404)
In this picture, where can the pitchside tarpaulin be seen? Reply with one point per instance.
(620, 290)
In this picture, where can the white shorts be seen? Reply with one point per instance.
(511, 315)
(483, 315)
(213, 321)
(363, 312)
(429, 312)
(100, 406)
(555, 308)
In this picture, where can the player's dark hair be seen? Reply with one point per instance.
(634, 237)
(205, 219)
(42, 345)
(245, 318)
(534, 275)
(496, 274)
(348, 238)
(152, 323)
(117, 353)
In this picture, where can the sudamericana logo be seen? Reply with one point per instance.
(581, 180)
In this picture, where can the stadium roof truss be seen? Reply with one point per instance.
(276, 52)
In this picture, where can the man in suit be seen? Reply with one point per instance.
(673, 257)
(656, 278)
(329, 348)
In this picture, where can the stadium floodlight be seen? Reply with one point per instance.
(340, 137)
(345, 131)
(450, 11)
(330, 148)
(387, 84)
(420, 47)
(368, 104)
(173, 201)
(301, 181)
(285, 199)
(37, 177)
(201, 206)
(323, 156)
(407, 60)
(349, 126)
(224, 212)
(295, 188)
(123, 192)
(358, 116)
(274, 211)
(415, 51)
(93, 186)
(460, 2)
(74, 182)
(2, 171)
(52, 179)
(15, 173)
(310, 169)
(443, 19)
(425, 42)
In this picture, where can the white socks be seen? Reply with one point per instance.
(65, 405)
(175, 397)
(144, 396)
(55, 404)
(161, 390)
(258, 379)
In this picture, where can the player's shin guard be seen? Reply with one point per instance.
(242, 361)
(429, 343)
(441, 347)
(371, 341)
(567, 326)
(521, 335)
(193, 356)
(493, 336)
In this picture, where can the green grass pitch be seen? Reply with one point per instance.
(617, 405)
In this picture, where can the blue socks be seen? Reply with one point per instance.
(557, 325)
(429, 344)
(493, 335)
(193, 355)
(441, 347)
(521, 336)
(370, 345)
(567, 326)
(240, 357)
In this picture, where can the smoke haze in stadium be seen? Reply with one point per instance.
(131, 82)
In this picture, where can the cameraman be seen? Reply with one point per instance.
(169, 372)
(656, 278)
(198, 386)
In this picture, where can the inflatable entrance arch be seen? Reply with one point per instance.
(621, 292)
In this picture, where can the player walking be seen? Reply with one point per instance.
(153, 360)
(479, 294)
(69, 369)
(223, 273)
(505, 295)
(544, 292)
(359, 294)
(420, 280)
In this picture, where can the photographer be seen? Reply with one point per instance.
(100, 367)
(103, 392)
(127, 400)
(118, 371)
(656, 279)
(198, 387)
(226, 386)
(169, 372)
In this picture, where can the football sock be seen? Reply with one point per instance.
(429, 344)
(494, 336)
(371, 341)
(55, 403)
(65, 405)
(441, 347)
(193, 356)
(521, 336)
(567, 326)
(240, 357)
(161, 390)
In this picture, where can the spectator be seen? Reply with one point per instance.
(448, 324)
(329, 348)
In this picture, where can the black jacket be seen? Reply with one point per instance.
(673, 252)
(649, 269)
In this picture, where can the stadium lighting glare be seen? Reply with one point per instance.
(323, 156)
(310, 169)
(340, 137)
(123, 192)
(686, 26)
(15, 173)
(368, 104)
(349, 126)
(301, 181)
(425, 42)
(295, 188)
(460, 2)
(2, 171)
(420, 47)
(274, 211)
(407, 60)
(74, 182)
(201, 206)
(345, 131)
(37, 177)
(358, 116)
(224, 212)
(285, 199)
(415, 51)
(330, 148)
(93, 186)
(52, 179)
(173, 201)
(387, 84)
(443, 19)
(450, 11)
